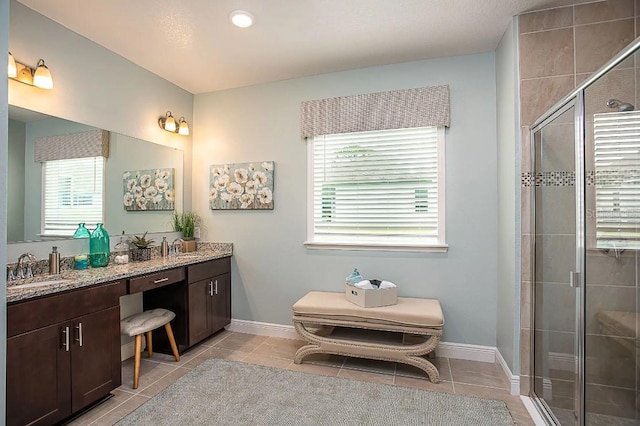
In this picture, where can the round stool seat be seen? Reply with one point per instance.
(145, 321)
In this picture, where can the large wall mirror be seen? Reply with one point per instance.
(25, 183)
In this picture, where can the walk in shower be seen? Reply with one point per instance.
(586, 251)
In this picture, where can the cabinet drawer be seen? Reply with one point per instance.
(158, 279)
(34, 314)
(208, 269)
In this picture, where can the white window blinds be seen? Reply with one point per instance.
(617, 179)
(379, 187)
(73, 194)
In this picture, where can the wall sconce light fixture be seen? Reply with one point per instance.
(39, 77)
(169, 124)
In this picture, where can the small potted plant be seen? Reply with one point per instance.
(186, 222)
(142, 249)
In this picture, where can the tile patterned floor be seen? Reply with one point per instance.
(457, 376)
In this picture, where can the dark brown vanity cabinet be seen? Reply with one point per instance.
(209, 297)
(63, 353)
(201, 300)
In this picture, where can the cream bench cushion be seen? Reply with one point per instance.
(412, 312)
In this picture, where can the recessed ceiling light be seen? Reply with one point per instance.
(241, 19)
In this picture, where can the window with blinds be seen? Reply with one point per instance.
(378, 188)
(617, 179)
(73, 194)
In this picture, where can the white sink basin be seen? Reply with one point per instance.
(38, 284)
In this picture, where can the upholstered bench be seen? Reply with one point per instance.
(343, 328)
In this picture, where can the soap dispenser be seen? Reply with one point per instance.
(54, 261)
(164, 247)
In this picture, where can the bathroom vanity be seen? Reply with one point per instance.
(63, 346)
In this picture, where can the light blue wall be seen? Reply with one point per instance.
(16, 192)
(271, 267)
(4, 118)
(508, 317)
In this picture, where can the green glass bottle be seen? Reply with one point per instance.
(99, 251)
(82, 232)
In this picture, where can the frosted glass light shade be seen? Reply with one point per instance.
(184, 127)
(42, 76)
(13, 68)
(170, 123)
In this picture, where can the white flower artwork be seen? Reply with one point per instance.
(148, 190)
(241, 186)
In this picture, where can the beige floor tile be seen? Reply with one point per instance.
(481, 391)
(215, 353)
(149, 373)
(267, 361)
(279, 348)
(477, 373)
(211, 341)
(366, 376)
(119, 397)
(372, 365)
(322, 370)
(241, 342)
(325, 359)
(159, 385)
(412, 382)
(119, 412)
(442, 364)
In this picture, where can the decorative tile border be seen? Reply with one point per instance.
(601, 177)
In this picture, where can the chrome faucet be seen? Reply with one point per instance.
(20, 271)
(173, 250)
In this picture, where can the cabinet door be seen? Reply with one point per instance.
(38, 377)
(221, 302)
(95, 356)
(199, 310)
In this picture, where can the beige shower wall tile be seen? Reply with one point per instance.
(603, 11)
(606, 269)
(555, 306)
(607, 298)
(527, 258)
(525, 385)
(616, 84)
(596, 44)
(546, 53)
(525, 209)
(525, 352)
(525, 305)
(611, 401)
(539, 94)
(525, 137)
(546, 20)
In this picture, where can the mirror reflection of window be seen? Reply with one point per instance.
(73, 193)
(617, 179)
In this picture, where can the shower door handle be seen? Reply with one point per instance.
(574, 279)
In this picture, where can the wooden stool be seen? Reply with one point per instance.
(143, 323)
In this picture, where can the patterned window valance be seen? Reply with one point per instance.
(398, 109)
(94, 143)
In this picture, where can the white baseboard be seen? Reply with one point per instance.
(514, 381)
(445, 349)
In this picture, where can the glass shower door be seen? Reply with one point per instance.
(555, 372)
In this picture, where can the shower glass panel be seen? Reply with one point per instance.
(554, 337)
(612, 202)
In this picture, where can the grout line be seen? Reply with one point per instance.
(453, 383)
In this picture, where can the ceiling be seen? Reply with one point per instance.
(193, 44)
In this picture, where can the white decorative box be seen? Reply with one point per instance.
(371, 298)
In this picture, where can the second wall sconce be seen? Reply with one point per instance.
(39, 77)
(169, 124)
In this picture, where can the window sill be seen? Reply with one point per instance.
(432, 248)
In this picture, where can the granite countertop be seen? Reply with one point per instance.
(71, 279)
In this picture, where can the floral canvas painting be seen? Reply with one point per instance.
(242, 186)
(149, 190)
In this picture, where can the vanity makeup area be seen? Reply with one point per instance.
(64, 347)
